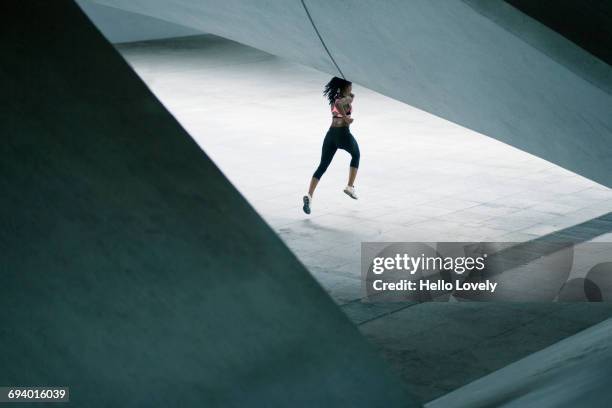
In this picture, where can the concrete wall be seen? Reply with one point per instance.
(131, 269)
(574, 372)
(445, 57)
(119, 26)
(586, 23)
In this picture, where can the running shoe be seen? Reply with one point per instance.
(307, 199)
(350, 191)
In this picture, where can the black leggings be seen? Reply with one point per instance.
(337, 138)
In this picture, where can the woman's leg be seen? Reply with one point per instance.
(352, 175)
(353, 149)
(327, 154)
(313, 184)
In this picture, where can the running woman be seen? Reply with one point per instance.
(338, 92)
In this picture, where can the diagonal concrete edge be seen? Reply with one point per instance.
(573, 372)
(536, 92)
(121, 26)
(131, 270)
(549, 42)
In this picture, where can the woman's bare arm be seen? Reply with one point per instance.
(340, 106)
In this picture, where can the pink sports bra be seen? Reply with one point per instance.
(336, 112)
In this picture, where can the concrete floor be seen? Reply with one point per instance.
(262, 120)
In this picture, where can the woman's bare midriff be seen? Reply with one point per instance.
(339, 122)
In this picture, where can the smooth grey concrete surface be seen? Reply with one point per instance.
(575, 372)
(132, 271)
(588, 24)
(553, 43)
(444, 57)
(123, 26)
(453, 344)
(262, 120)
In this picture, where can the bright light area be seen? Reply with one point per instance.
(421, 178)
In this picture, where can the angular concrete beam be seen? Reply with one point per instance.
(131, 270)
(450, 58)
(575, 372)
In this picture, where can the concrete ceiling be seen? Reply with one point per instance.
(482, 64)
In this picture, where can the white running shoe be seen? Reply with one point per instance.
(350, 191)
(307, 200)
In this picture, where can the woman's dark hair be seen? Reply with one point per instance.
(334, 88)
